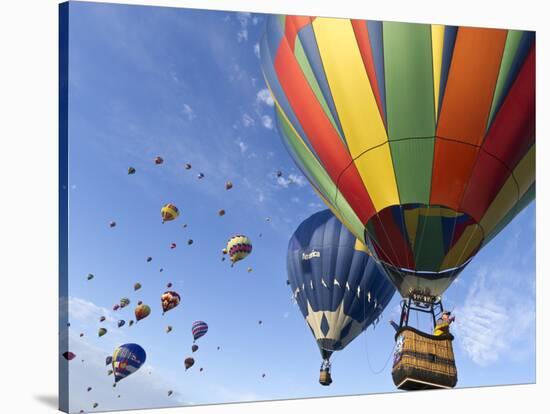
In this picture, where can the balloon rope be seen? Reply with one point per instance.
(368, 359)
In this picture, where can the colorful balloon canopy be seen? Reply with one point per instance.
(69, 356)
(338, 286)
(142, 311)
(137, 286)
(169, 212)
(194, 348)
(121, 323)
(199, 329)
(420, 138)
(238, 247)
(131, 170)
(169, 300)
(168, 329)
(127, 359)
(158, 160)
(124, 302)
(228, 185)
(101, 332)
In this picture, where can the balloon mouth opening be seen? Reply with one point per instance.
(423, 239)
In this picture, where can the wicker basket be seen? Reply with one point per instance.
(325, 378)
(422, 361)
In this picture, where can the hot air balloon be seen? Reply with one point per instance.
(112, 224)
(221, 212)
(218, 348)
(199, 329)
(110, 372)
(137, 286)
(139, 302)
(279, 174)
(168, 329)
(200, 176)
(200, 370)
(169, 300)
(121, 323)
(101, 332)
(169, 285)
(339, 288)
(189, 362)
(108, 360)
(95, 405)
(190, 242)
(149, 259)
(68, 355)
(421, 138)
(131, 170)
(131, 322)
(81, 334)
(249, 270)
(90, 276)
(127, 359)
(187, 166)
(184, 226)
(124, 302)
(259, 322)
(141, 312)
(169, 212)
(116, 307)
(158, 160)
(101, 318)
(238, 247)
(228, 185)
(170, 392)
(172, 245)
(194, 348)
(89, 389)
(161, 270)
(263, 375)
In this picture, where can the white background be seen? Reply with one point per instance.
(28, 206)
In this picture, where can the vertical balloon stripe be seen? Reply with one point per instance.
(464, 247)
(377, 46)
(293, 24)
(351, 90)
(438, 35)
(376, 170)
(449, 40)
(512, 42)
(409, 80)
(363, 42)
(429, 233)
(392, 240)
(453, 163)
(311, 51)
(313, 82)
(412, 159)
(471, 83)
(513, 129)
(270, 45)
(511, 192)
(486, 180)
(524, 201)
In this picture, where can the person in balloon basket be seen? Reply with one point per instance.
(443, 323)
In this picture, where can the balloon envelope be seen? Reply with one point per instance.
(238, 247)
(142, 311)
(127, 359)
(339, 288)
(421, 138)
(199, 329)
(169, 300)
(169, 212)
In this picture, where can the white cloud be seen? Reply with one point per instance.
(257, 50)
(295, 199)
(242, 35)
(243, 18)
(242, 145)
(87, 312)
(299, 180)
(265, 97)
(267, 122)
(189, 112)
(248, 121)
(495, 319)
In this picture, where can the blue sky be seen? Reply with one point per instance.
(187, 85)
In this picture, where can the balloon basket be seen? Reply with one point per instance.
(325, 378)
(422, 361)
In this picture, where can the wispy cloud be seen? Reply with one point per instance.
(85, 311)
(295, 179)
(242, 145)
(264, 96)
(248, 121)
(257, 50)
(244, 19)
(188, 112)
(267, 122)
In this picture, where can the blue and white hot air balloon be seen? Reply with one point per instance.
(338, 286)
(127, 359)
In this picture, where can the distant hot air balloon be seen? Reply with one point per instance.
(101, 332)
(81, 334)
(187, 166)
(184, 226)
(89, 389)
(218, 348)
(190, 242)
(124, 302)
(90, 276)
(221, 212)
(169, 285)
(279, 174)
(131, 322)
(116, 307)
(112, 224)
(200, 370)
(127, 359)
(189, 362)
(169, 300)
(200, 176)
(108, 360)
(149, 259)
(158, 160)
(168, 329)
(263, 375)
(101, 318)
(194, 348)
(161, 270)
(339, 288)
(172, 245)
(238, 247)
(139, 302)
(137, 286)
(169, 212)
(170, 393)
(228, 185)
(95, 405)
(224, 251)
(131, 170)
(259, 322)
(121, 323)
(110, 372)
(199, 329)
(68, 355)
(141, 312)
(249, 270)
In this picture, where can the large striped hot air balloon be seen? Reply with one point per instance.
(199, 329)
(340, 289)
(238, 247)
(127, 359)
(420, 138)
